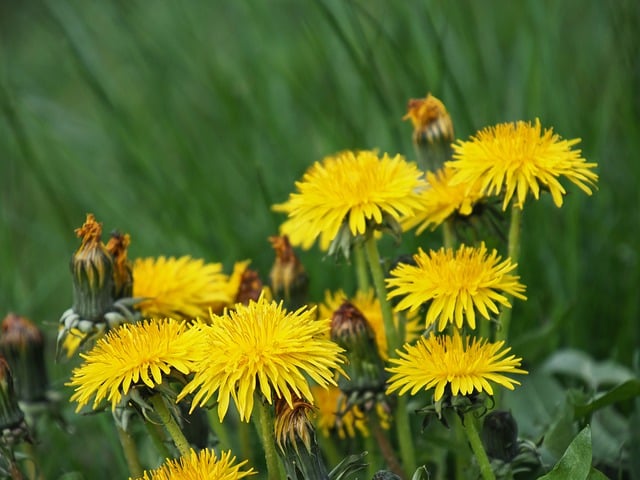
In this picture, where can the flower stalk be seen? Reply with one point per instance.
(266, 431)
(180, 441)
(130, 452)
(513, 251)
(468, 423)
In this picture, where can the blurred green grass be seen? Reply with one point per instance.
(183, 122)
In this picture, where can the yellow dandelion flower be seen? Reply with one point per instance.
(518, 158)
(203, 465)
(357, 190)
(260, 347)
(448, 361)
(456, 286)
(369, 306)
(328, 419)
(441, 200)
(179, 287)
(133, 354)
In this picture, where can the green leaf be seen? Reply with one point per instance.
(595, 474)
(624, 391)
(579, 365)
(576, 461)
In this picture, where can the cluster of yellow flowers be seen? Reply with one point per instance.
(198, 342)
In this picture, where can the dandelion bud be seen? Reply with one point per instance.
(288, 276)
(432, 131)
(500, 435)
(92, 268)
(365, 372)
(122, 276)
(22, 344)
(13, 428)
(293, 431)
(250, 287)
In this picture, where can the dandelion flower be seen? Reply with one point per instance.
(262, 347)
(456, 285)
(518, 158)
(133, 354)
(441, 200)
(350, 193)
(369, 305)
(465, 366)
(179, 287)
(203, 465)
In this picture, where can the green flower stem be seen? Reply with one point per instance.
(267, 435)
(373, 257)
(362, 275)
(181, 442)
(385, 447)
(130, 453)
(403, 429)
(476, 446)
(448, 235)
(157, 437)
(513, 251)
(219, 429)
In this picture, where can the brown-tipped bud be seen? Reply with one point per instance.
(288, 277)
(123, 278)
(250, 287)
(13, 428)
(92, 268)
(22, 344)
(364, 383)
(432, 131)
(294, 430)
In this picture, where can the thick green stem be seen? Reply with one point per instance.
(373, 257)
(478, 449)
(157, 437)
(130, 453)
(362, 275)
(448, 235)
(267, 435)
(385, 447)
(405, 438)
(513, 251)
(181, 442)
(219, 429)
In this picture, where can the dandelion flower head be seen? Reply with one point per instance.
(203, 465)
(356, 189)
(518, 158)
(464, 366)
(133, 354)
(456, 285)
(261, 347)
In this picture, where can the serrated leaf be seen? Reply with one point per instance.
(624, 391)
(576, 461)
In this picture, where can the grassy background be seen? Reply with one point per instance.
(182, 122)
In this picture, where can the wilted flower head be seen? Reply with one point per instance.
(513, 159)
(123, 278)
(430, 119)
(288, 276)
(22, 344)
(348, 195)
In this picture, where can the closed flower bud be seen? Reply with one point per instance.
(13, 428)
(22, 344)
(500, 435)
(288, 277)
(92, 268)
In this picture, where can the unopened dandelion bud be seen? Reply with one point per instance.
(432, 131)
(288, 277)
(366, 375)
(122, 276)
(500, 435)
(22, 344)
(13, 428)
(296, 439)
(92, 268)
